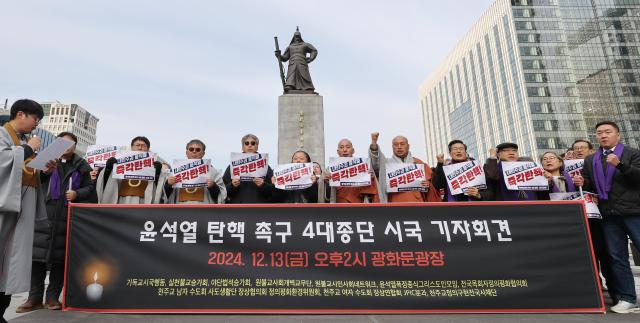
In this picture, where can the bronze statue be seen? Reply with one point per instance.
(298, 78)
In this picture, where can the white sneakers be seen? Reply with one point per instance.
(624, 307)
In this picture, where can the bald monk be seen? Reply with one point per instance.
(401, 154)
(361, 194)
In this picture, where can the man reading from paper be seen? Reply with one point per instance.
(356, 194)
(130, 191)
(213, 193)
(21, 199)
(401, 156)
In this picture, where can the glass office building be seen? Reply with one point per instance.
(540, 73)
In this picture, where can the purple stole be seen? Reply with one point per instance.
(55, 188)
(602, 183)
(568, 181)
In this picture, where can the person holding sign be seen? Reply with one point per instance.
(493, 168)
(21, 198)
(69, 182)
(614, 173)
(561, 182)
(131, 191)
(351, 194)
(259, 189)
(581, 149)
(472, 170)
(306, 175)
(212, 192)
(401, 169)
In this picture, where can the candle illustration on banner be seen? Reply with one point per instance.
(94, 291)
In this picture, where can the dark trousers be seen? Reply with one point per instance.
(601, 253)
(617, 231)
(38, 275)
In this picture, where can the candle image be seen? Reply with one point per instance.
(94, 291)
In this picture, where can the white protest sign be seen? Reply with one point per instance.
(349, 172)
(574, 166)
(293, 176)
(134, 165)
(190, 173)
(589, 202)
(405, 177)
(248, 166)
(524, 176)
(461, 176)
(97, 155)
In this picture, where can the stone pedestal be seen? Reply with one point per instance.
(300, 127)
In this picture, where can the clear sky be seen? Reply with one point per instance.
(177, 70)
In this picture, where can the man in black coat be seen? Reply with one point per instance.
(614, 173)
(70, 181)
(260, 190)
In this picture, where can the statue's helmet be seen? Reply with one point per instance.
(297, 36)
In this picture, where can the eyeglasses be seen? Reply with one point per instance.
(194, 149)
(250, 143)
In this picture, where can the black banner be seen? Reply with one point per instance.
(387, 258)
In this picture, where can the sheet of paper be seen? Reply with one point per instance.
(461, 176)
(349, 172)
(405, 177)
(523, 175)
(293, 176)
(190, 173)
(52, 152)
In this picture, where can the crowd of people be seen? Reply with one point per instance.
(33, 204)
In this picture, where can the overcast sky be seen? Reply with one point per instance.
(177, 70)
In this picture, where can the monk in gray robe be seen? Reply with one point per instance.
(130, 191)
(214, 193)
(21, 199)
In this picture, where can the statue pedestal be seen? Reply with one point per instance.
(300, 127)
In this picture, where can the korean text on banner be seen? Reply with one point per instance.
(97, 155)
(524, 176)
(574, 166)
(349, 172)
(461, 176)
(135, 165)
(293, 176)
(589, 201)
(190, 173)
(249, 166)
(405, 177)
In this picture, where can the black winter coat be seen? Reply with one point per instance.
(624, 197)
(49, 242)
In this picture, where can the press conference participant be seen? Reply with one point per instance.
(613, 172)
(260, 190)
(458, 153)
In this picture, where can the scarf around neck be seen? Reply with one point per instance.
(603, 183)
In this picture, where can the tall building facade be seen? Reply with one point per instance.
(59, 117)
(540, 73)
